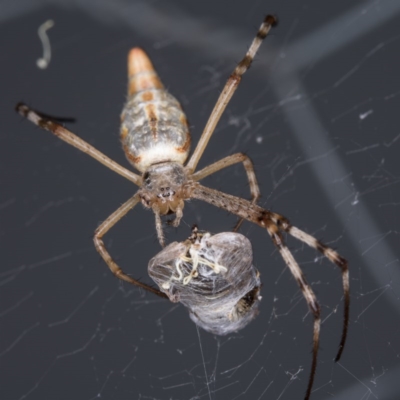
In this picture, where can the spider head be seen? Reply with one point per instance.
(162, 188)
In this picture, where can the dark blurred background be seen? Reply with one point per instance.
(317, 113)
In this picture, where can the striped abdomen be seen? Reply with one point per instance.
(154, 128)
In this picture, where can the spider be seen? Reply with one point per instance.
(213, 277)
(156, 140)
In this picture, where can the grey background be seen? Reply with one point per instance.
(317, 113)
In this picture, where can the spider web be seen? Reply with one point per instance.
(317, 113)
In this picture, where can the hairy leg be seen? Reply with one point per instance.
(227, 162)
(228, 91)
(100, 247)
(70, 138)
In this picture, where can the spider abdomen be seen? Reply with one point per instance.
(154, 128)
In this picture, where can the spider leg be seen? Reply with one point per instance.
(273, 223)
(308, 294)
(227, 162)
(100, 247)
(284, 224)
(228, 91)
(67, 136)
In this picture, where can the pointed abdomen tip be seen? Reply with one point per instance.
(138, 61)
(141, 73)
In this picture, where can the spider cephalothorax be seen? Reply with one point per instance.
(162, 188)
